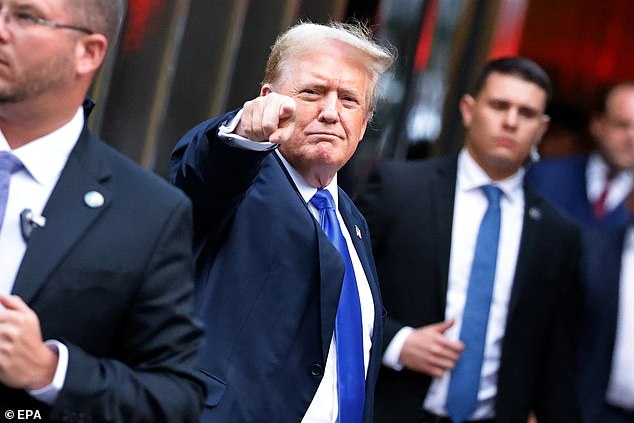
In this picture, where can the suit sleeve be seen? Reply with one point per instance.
(151, 375)
(557, 392)
(215, 176)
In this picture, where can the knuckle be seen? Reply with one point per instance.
(268, 127)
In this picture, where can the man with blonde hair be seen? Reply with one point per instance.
(286, 284)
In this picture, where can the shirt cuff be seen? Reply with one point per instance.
(393, 351)
(235, 140)
(49, 393)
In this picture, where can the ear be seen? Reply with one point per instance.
(596, 127)
(545, 123)
(365, 126)
(466, 109)
(266, 90)
(90, 52)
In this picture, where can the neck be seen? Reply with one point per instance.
(317, 176)
(22, 123)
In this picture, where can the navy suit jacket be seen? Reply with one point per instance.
(268, 281)
(114, 283)
(410, 207)
(563, 182)
(601, 266)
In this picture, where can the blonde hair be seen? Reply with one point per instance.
(295, 40)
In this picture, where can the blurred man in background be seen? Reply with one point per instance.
(592, 188)
(478, 273)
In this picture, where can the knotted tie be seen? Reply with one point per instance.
(599, 204)
(462, 398)
(8, 165)
(348, 328)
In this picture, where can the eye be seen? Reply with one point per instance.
(309, 94)
(349, 101)
(498, 105)
(24, 18)
(528, 113)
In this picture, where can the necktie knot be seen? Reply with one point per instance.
(610, 174)
(323, 200)
(493, 195)
(9, 164)
(600, 204)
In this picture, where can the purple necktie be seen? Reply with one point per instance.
(9, 164)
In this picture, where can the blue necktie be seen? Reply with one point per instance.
(8, 165)
(348, 328)
(462, 398)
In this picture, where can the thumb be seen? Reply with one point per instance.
(281, 135)
(443, 326)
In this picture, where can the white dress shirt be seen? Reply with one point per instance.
(324, 406)
(620, 390)
(30, 188)
(470, 204)
(596, 178)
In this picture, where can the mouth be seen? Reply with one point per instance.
(324, 136)
(4, 62)
(504, 141)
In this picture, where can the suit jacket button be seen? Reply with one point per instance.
(316, 370)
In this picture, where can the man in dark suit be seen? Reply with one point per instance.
(427, 220)
(270, 283)
(96, 286)
(591, 188)
(606, 369)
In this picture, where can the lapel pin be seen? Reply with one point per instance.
(94, 199)
(356, 228)
(535, 213)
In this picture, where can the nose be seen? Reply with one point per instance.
(511, 118)
(5, 21)
(329, 108)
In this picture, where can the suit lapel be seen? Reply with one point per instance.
(331, 268)
(356, 229)
(68, 217)
(443, 189)
(531, 228)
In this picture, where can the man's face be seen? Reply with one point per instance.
(614, 130)
(329, 85)
(504, 121)
(34, 59)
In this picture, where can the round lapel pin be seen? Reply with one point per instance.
(94, 199)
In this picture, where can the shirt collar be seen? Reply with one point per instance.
(471, 177)
(307, 191)
(597, 170)
(45, 157)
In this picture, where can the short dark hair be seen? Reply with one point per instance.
(521, 67)
(100, 16)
